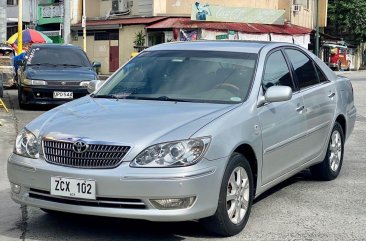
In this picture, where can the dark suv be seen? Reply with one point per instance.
(54, 74)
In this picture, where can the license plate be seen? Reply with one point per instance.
(72, 187)
(63, 95)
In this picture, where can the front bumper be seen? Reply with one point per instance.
(123, 191)
(44, 94)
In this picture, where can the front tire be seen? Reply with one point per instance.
(235, 199)
(330, 167)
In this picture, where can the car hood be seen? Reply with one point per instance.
(59, 73)
(136, 123)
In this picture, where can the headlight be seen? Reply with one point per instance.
(172, 154)
(34, 82)
(26, 144)
(84, 83)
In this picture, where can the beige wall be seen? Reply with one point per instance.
(92, 8)
(126, 38)
(96, 51)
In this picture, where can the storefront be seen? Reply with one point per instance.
(185, 29)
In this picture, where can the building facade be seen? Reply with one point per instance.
(115, 28)
(29, 15)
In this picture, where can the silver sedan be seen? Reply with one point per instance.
(187, 131)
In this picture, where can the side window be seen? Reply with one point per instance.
(304, 69)
(276, 72)
(321, 75)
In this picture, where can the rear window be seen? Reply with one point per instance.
(57, 56)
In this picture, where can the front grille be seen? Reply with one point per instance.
(96, 156)
(65, 84)
(106, 202)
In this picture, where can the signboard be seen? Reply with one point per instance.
(216, 13)
(222, 36)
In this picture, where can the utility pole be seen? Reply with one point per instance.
(2, 21)
(317, 29)
(66, 29)
(83, 24)
(20, 26)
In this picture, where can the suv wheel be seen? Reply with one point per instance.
(330, 167)
(235, 200)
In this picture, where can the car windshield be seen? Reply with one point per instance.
(62, 56)
(195, 76)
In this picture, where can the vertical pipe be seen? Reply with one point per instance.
(20, 26)
(317, 29)
(83, 21)
(66, 22)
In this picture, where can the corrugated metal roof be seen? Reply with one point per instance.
(187, 23)
(123, 21)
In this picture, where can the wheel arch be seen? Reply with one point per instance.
(248, 152)
(342, 121)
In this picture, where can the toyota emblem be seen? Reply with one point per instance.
(80, 147)
(63, 83)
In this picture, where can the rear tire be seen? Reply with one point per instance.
(330, 167)
(235, 199)
(339, 66)
(20, 99)
(1, 88)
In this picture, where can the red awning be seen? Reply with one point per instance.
(123, 21)
(187, 23)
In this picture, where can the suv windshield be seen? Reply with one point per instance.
(54, 56)
(196, 76)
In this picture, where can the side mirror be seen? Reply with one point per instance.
(96, 64)
(94, 85)
(278, 94)
(275, 94)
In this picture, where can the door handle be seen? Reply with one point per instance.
(331, 95)
(300, 108)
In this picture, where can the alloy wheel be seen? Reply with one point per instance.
(335, 148)
(237, 198)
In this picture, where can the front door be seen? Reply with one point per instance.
(283, 124)
(319, 96)
(113, 58)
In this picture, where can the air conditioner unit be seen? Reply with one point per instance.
(119, 6)
(115, 6)
(296, 8)
(299, 2)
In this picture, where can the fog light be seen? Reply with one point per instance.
(173, 203)
(15, 188)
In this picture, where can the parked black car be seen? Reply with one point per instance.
(54, 74)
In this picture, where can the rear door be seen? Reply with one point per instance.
(283, 124)
(319, 99)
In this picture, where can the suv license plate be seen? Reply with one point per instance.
(62, 95)
(72, 187)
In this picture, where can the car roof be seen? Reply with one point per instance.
(219, 45)
(55, 46)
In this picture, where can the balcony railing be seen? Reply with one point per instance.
(52, 11)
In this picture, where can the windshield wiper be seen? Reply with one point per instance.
(105, 96)
(136, 97)
(70, 65)
(42, 64)
(161, 98)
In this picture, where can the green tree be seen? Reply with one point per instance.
(348, 17)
